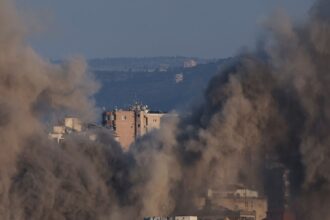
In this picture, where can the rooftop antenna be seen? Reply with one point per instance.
(135, 98)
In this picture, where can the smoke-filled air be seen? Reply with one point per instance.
(269, 105)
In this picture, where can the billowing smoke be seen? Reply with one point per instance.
(268, 105)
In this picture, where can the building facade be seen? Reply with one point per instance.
(189, 63)
(67, 126)
(238, 199)
(128, 125)
(124, 127)
(278, 192)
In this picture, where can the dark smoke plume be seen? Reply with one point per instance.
(269, 105)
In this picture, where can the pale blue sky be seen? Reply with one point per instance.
(113, 28)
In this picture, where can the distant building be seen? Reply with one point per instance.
(179, 78)
(122, 122)
(163, 67)
(71, 125)
(147, 121)
(57, 133)
(189, 63)
(234, 202)
(224, 214)
(278, 192)
(227, 214)
(74, 124)
(130, 124)
(238, 198)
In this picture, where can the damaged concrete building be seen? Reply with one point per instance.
(132, 123)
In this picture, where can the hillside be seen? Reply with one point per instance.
(140, 64)
(159, 89)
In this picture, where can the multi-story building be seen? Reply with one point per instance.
(68, 125)
(147, 121)
(124, 127)
(189, 63)
(130, 124)
(179, 78)
(226, 214)
(238, 199)
(72, 125)
(278, 192)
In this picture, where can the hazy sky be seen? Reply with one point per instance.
(112, 28)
